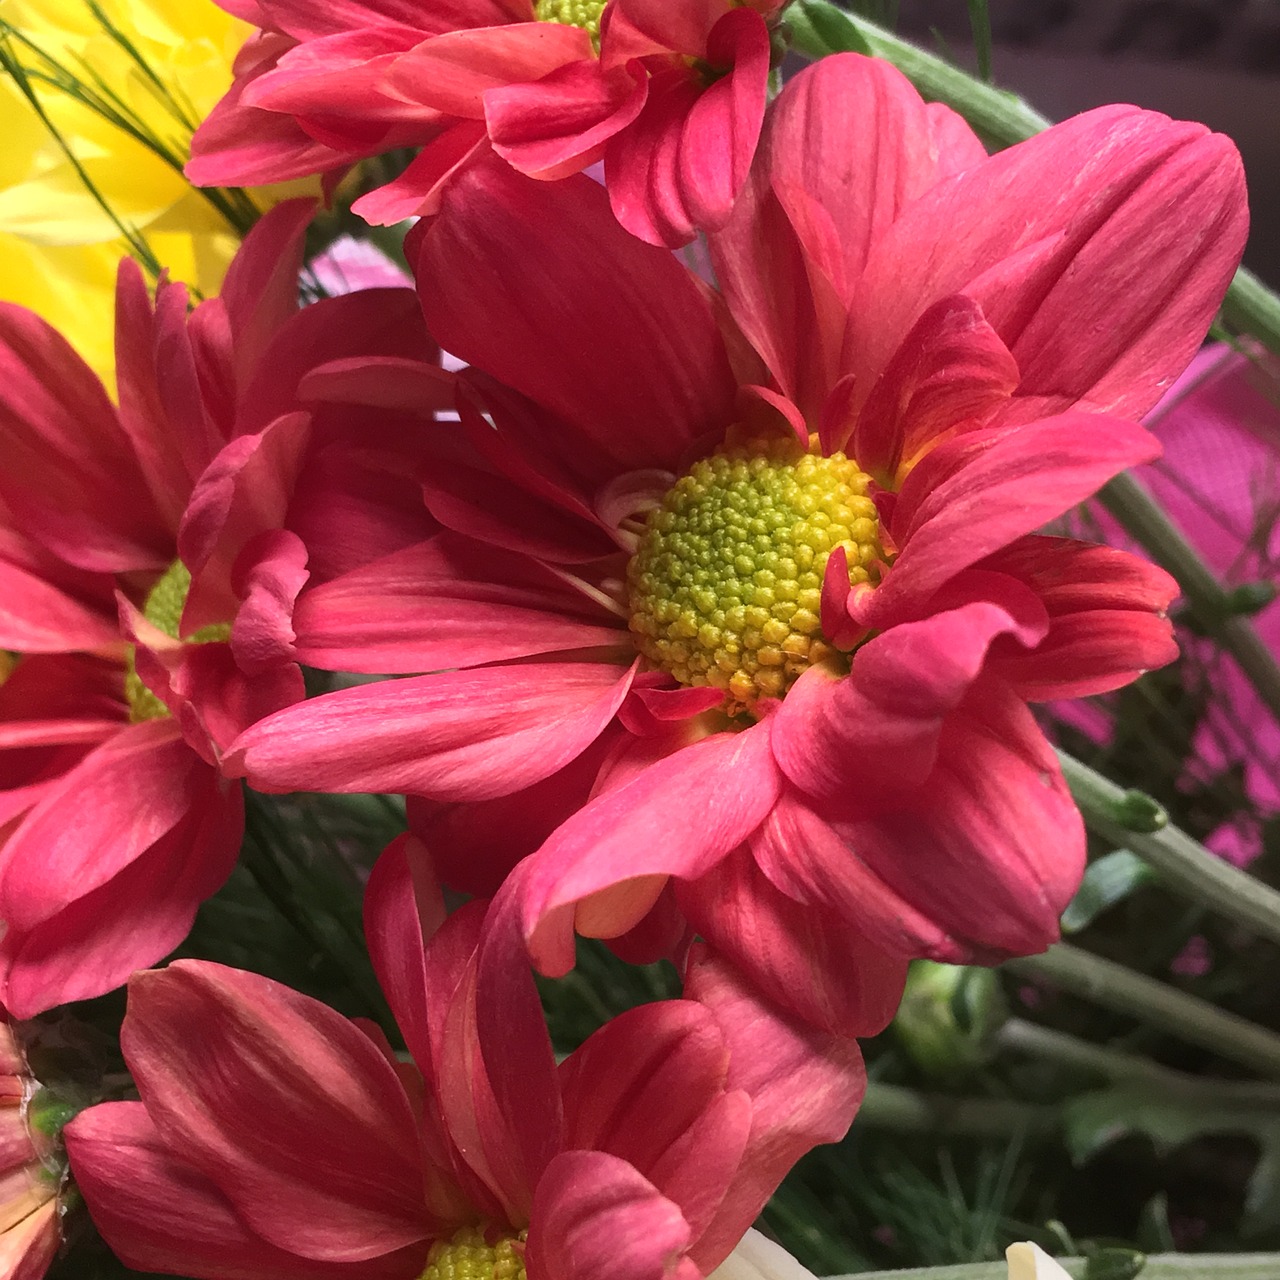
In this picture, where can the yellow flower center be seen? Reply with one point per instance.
(163, 609)
(572, 13)
(468, 1255)
(726, 584)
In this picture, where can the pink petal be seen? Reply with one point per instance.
(642, 164)
(1107, 619)
(71, 477)
(848, 145)
(157, 1212)
(536, 284)
(810, 863)
(804, 1087)
(468, 735)
(803, 956)
(677, 817)
(284, 1104)
(132, 920)
(876, 731)
(476, 845)
(244, 491)
(951, 372)
(593, 1215)
(238, 145)
(402, 910)
(100, 817)
(980, 491)
(722, 129)
(992, 846)
(450, 602)
(450, 72)
(560, 124)
(39, 616)
(269, 573)
(1114, 300)
(418, 190)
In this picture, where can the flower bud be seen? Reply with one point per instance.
(947, 1016)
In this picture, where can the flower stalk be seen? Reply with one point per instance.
(1160, 1006)
(1183, 864)
(1172, 1266)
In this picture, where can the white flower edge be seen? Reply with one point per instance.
(759, 1258)
(1030, 1262)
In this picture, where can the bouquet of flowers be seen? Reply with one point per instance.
(561, 595)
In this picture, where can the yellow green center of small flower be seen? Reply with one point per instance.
(469, 1255)
(572, 13)
(163, 609)
(726, 584)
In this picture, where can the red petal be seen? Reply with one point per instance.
(283, 1103)
(468, 735)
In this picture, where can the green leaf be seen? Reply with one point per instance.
(1108, 880)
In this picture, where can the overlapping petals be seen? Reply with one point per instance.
(152, 554)
(275, 1138)
(913, 308)
(671, 98)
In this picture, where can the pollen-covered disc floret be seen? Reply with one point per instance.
(163, 609)
(726, 585)
(572, 13)
(472, 1254)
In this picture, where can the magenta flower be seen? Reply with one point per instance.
(744, 590)
(274, 1138)
(150, 555)
(670, 97)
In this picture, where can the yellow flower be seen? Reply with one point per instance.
(121, 85)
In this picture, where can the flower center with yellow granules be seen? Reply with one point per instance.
(468, 1255)
(163, 609)
(572, 13)
(726, 584)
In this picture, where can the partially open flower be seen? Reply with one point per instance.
(669, 95)
(30, 1179)
(275, 1138)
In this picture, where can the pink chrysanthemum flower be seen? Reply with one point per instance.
(670, 94)
(150, 554)
(744, 587)
(274, 1138)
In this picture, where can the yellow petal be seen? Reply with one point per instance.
(1028, 1261)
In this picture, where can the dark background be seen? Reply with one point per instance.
(1217, 61)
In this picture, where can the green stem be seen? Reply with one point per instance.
(889, 1106)
(1064, 1049)
(1184, 865)
(819, 28)
(1160, 1266)
(1128, 500)
(1169, 1010)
